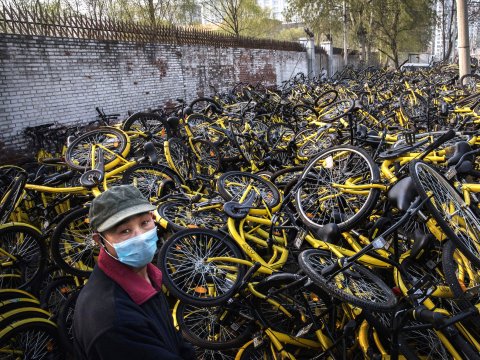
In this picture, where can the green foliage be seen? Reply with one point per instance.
(290, 34)
(391, 26)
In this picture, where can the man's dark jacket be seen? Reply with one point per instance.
(119, 315)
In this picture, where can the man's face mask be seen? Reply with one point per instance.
(137, 251)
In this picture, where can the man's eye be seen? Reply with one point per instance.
(125, 231)
(145, 222)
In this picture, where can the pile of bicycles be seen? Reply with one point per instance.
(323, 219)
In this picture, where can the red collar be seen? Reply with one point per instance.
(136, 286)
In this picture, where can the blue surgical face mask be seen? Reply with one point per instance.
(137, 251)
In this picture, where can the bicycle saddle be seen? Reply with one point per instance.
(329, 233)
(173, 122)
(421, 241)
(150, 152)
(93, 177)
(402, 194)
(235, 210)
(461, 148)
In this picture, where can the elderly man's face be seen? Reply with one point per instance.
(129, 228)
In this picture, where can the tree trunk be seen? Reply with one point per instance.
(151, 12)
(345, 30)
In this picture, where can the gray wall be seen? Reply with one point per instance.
(46, 79)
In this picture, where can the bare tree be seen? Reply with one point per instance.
(232, 16)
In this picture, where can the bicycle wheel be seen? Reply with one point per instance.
(303, 113)
(56, 293)
(181, 215)
(8, 173)
(282, 178)
(189, 275)
(199, 126)
(114, 142)
(149, 179)
(231, 186)
(279, 135)
(72, 246)
(65, 321)
(326, 98)
(30, 339)
(22, 313)
(143, 127)
(336, 110)
(470, 83)
(324, 196)
(414, 107)
(263, 351)
(207, 157)
(356, 285)
(7, 294)
(150, 124)
(205, 105)
(447, 206)
(215, 327)
(462, 276)
(177, 155)
(11, 196)
(315, 141)
(23, 254)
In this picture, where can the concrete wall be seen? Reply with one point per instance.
(46, 79)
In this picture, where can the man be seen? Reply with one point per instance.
(121, 313)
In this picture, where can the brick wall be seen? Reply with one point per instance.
(46, 79)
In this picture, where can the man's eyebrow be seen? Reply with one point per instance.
(124, 221)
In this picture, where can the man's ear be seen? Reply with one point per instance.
(96, 238)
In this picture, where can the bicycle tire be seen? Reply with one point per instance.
(188, 250)
(18, 303)
(312, 262)
(302, 112)
(470, 83)
(11, 196)
(73, 237)
(56, 293)
(200, 325)
(282, 177)
(65, 321)
(150, 123)
(429, 181)
(260, 352)
(326, 98)
(416, 108)
(323, 170)
(78, 154)
(7, 294)
(336, 110)
(280, 135)
(178, 159)
(207, 157)
(212, 106)
(461, 276)
(43, 330)
(180, 216)
(269, 192)
(148, 178)
(313, 146)
(24, 253)
(22, 313)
